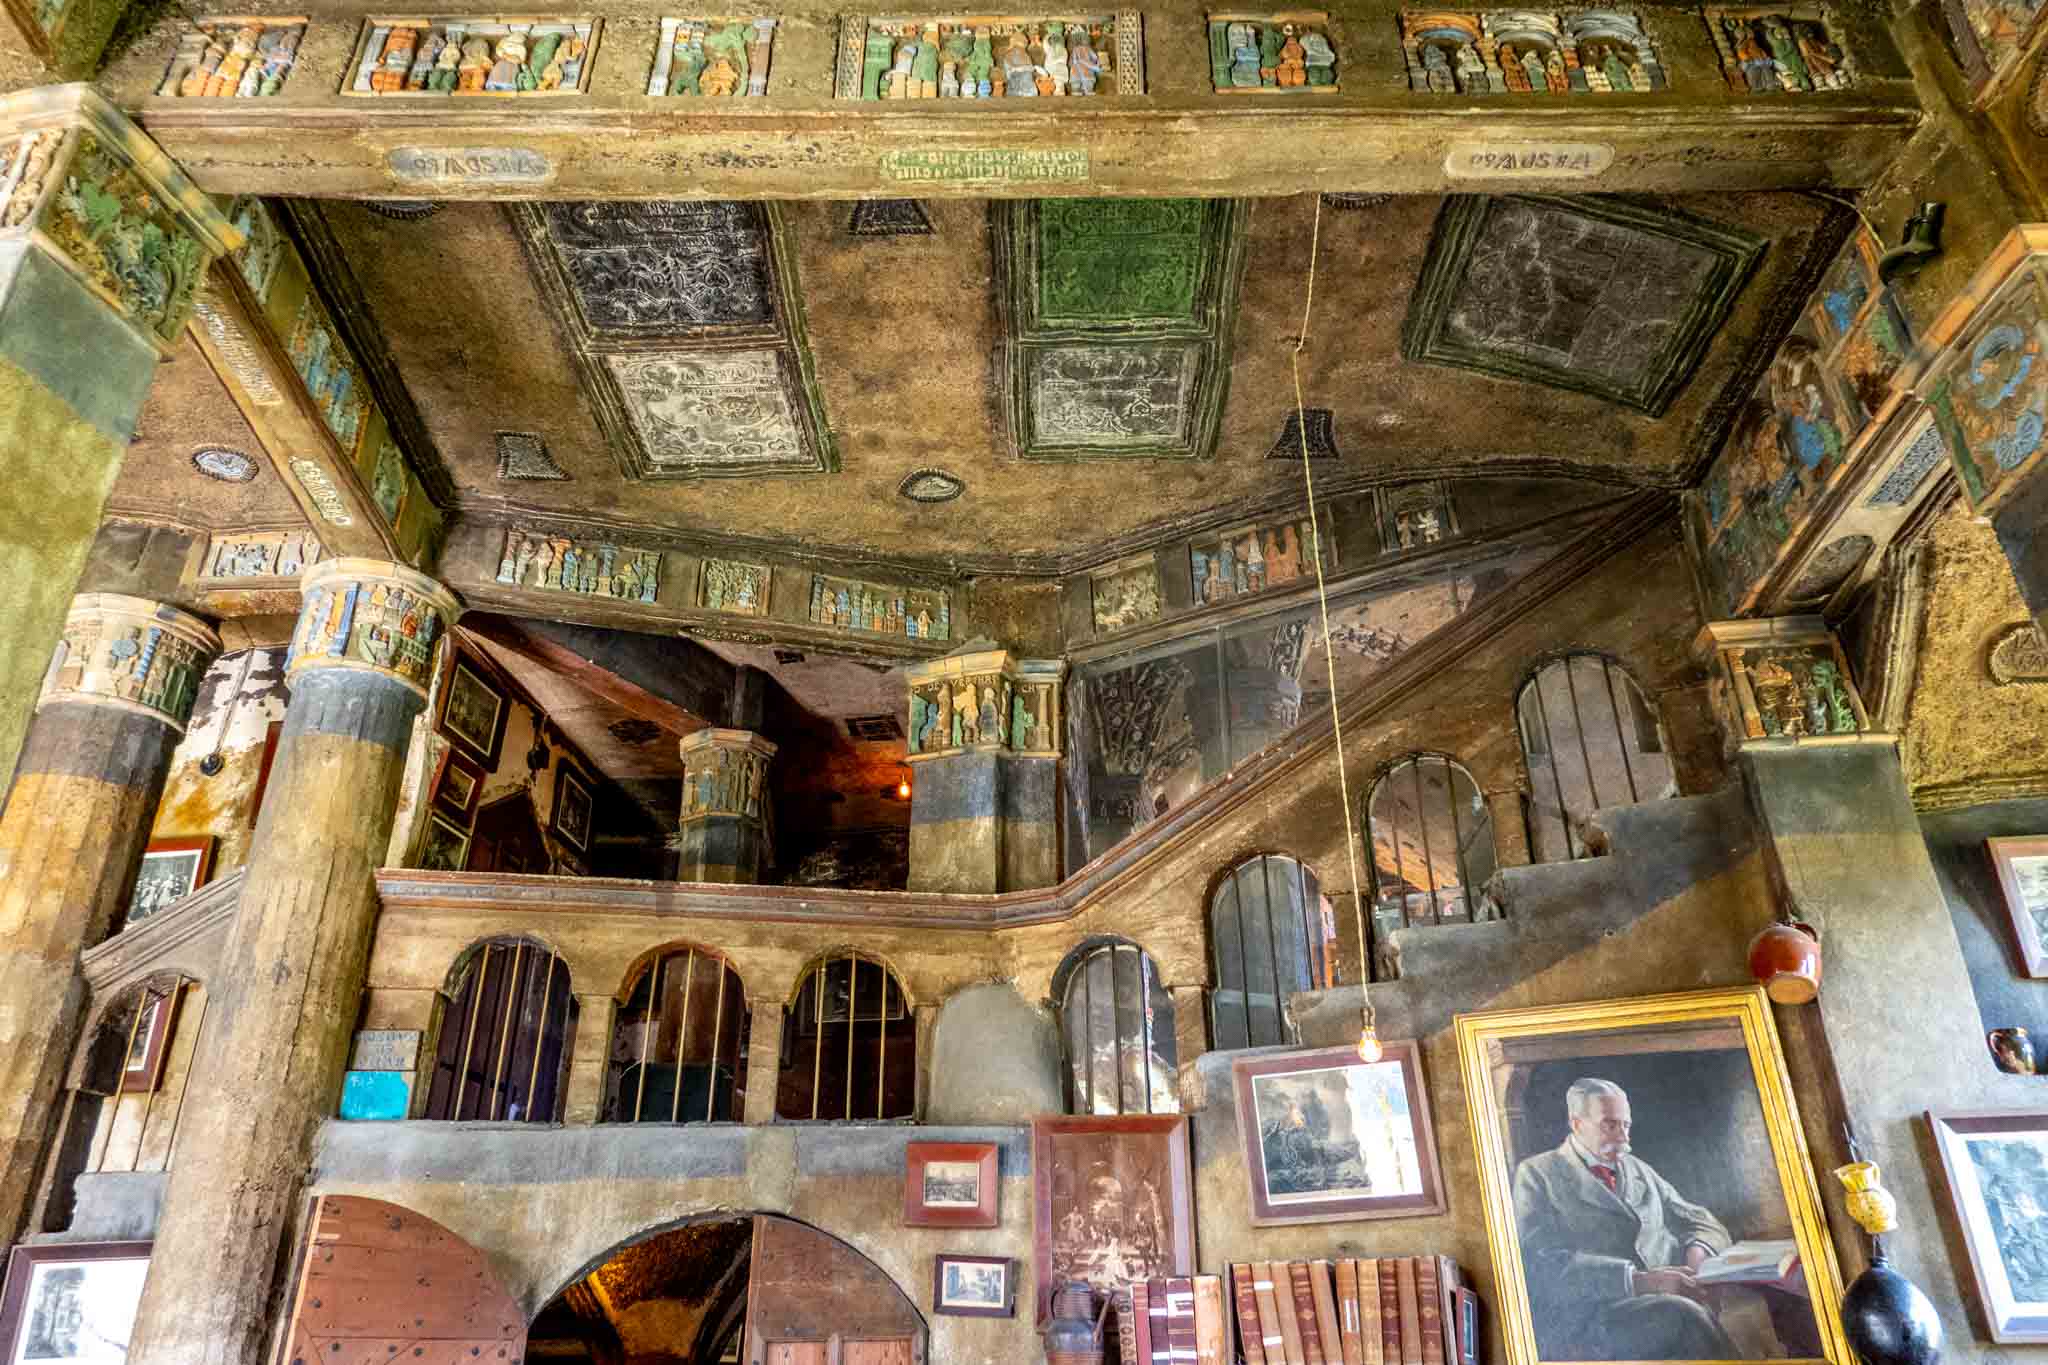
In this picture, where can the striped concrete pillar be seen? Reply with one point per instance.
(291, 975)
(71, 839)
(723, 834)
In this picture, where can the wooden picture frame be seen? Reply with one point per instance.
(933, 1179)
(445, 846)
(1981, 1188)
(573, 807)
(171, 870)
(473, 712)
(1298, 1176)
(974, 1286)
(69, 1301)
(459, 783)
(150, 1044)
(1715, 1135)
(2022, 868)
(1083, 1165)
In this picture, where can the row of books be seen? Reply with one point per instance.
(1407, 1310)
(1410, 1310)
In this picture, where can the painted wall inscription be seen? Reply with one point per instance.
(994, 165)
(1527, 160)
(471, 165)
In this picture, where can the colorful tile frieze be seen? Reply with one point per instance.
(849, 604)
(1781, 49)
(233, 58)
(984, 701)
(1989, 391)
(261, 554)
(378, 622)
(715, 58)
(1251, 560)
(387, 480)
(1125, 594)
(323, 362)
(733, 586)
(725, 779)
(1783, 678)
(536, 559)
(1274, 52)
(109, 222)
(1415, 516)
(910, 57)
(263, 245)
(139, 654)
(1494, 52)
(474, 56)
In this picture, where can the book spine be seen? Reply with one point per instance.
(1326, 1312)
(1411, 1312)
(1141, 1322)
(1180, 1320)
(1161, 1328)
(1251, 1340)
(1390, 1312)
(1127, 1326)
(1276, 1307)
(1448, 1278)
(1348, 1330)
(1212, 1322)
(1305, 1313)
(1430, 1306)
(1371, 1344)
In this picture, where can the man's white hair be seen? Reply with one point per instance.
(1587, 1088)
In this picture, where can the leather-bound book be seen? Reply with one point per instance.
(1141, 1321)
(1251, 1341)
(1180, 1321)
(1326, 1312)
(1430, 1304)
(1275, 1273)
(1390, 1311)
(1305, 1313)
(1411, 1312)
(1347, 1311)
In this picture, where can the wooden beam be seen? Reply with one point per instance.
(587, 674)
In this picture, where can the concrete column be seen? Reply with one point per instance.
(71, 841)
(584, 1099)
(764, 1058)
(80, 338)
(1190, 1023)
(291, 974)
(984, 742)
(723, 834)
(926, 1018)
(1510, 828)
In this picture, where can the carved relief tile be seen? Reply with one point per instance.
(726, 410)
(1278, 53)
(1779, 49)
(1125, 594)
(919, 57)
(1496, 52)
(850, 604)
(733, 586)
(722, 58)
(109, 222)
(665, 267)
(261, 554)
(242, 58)
(1112, 395)
(560, 563)
(1989, 390)
(1117, 260)
(477, 55)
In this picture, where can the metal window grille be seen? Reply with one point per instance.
(1432, 842)
(1116, 1023)
(849, 1044)
(679, 1043)
(1590, 740)
(1266, 941)
(503, 1046)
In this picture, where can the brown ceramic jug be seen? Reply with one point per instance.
(1785, 956)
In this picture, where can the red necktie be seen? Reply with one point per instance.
(1605, 1174)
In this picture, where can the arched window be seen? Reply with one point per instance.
(679, 1042)
(849, 1043)
(1116, 1027)
(507, 1023)
(1268, 934)
(1432, 842)
(1590, 740)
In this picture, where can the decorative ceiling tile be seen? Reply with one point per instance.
(1118, 260)
(665, 267)
(1112, 395)
(1322, 436)
(524, 455)
(889, 218)
(1601, 296)
(932, 485)
(725, 412)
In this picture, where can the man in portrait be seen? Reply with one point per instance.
(1610, 1247)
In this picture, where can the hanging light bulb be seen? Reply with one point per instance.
(903, 786)
(1369, 1049)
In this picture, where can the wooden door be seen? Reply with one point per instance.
(813, 1300)
(896, 1352)
(380, 1283)
(797, 1353)
(508, 838)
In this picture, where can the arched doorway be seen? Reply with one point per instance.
(749, 1289)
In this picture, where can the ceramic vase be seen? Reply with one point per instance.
(1785, 956)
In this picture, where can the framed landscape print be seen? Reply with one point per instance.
(1647, 1190)
(572, 807)
(1997, 1169)
(460, 782)
(949, 1185)
(446, 847)
(1111, 1200)
(1329, 1138)
(71, 1302)
(973, 1286)
(473, 712)
(150, 1045)
(172, 869)
(2022, 867)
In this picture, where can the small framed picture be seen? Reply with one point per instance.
(949, 1185)
(460, 782)
(572, 807)
(446, 848)
(1997, 1169)
(71, 1302)
(473, 712)
(1329, 1138)
(172, 869)
(973, 1286)
(151, 1042)
(2022, 867)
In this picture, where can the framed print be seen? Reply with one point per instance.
(460, 782)
(1111, 1200)
(473, 712)
(2022, 867)
(147, 1049)
(446, 847)
(949, 1185)
(1646, 1185)
(1997, 1169)
(973, 1286)
(572, 807)
(71, 1302)
(172, 869)
(1328, 1138)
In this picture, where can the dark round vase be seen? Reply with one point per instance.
(1888, 1320)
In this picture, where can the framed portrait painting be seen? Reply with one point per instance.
(446, 845)
(473, 712)
(1997, 1169)
(949, 1185)
(1329, 1138)
(973, 1286)
(1647, 1190)
(71, 1302)
(172, 869)
(1111, 1200)
(572, 807)
(2022, 867)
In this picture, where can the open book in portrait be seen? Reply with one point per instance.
(1774, 1263)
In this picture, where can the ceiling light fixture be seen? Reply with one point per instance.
(219, 462)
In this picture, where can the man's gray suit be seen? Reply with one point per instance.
(1581, 1247)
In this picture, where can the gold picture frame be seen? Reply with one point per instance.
(1513, 1062)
